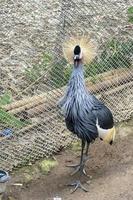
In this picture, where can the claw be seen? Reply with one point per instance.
(78, 168)
(77, 185)
(84, 172)
(74, 166)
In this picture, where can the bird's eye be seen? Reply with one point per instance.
(101, 139)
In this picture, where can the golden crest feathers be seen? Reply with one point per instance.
(86, 46)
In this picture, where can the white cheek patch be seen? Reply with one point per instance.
(101, 132)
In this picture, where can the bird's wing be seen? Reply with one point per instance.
(82, 122)
(103, 114)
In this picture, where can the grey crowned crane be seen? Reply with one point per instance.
(85, 115)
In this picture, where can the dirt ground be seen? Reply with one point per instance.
(110, 169)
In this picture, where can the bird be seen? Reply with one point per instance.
(85, 115)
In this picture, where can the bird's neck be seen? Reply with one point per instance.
(75, 89)
(77, 82)
(78, 63)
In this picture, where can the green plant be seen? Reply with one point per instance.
(130, 14)
(37, 70)
(6, 98)
(116, 54)
(47, 165)
(59, 73)
(8, 119)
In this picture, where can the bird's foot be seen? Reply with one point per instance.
(86, 158)
(78, 168)
(73, 166)
(77, 184)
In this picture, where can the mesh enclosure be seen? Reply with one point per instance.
(31, 126)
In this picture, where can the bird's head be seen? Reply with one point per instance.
(109, 137)
(78, 56)
(78, 50)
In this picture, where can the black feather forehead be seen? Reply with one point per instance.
(77, 50)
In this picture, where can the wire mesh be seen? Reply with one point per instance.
(31, 125)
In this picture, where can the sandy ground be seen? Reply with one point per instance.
(110, 169)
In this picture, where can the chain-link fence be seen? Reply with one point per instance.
(31, 126)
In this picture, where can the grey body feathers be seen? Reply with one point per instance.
(82, 109)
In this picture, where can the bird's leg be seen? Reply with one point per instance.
(77, 184)
(86, 153)
(83, 160)
(80, 167)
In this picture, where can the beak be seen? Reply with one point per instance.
(110, 136)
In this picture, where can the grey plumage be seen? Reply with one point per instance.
(81, 109)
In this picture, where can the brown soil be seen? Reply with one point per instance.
(110, 168)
